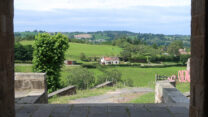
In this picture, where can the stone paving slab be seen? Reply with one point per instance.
(101, 110)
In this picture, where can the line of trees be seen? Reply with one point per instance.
(23, 53)
(139, 51)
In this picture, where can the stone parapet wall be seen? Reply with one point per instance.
(30, 88)
(29, 81)
(167, 93)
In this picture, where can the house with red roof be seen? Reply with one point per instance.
(109, 60)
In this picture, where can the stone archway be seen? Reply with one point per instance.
(199, 61)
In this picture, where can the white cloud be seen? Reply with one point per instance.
(48, 5)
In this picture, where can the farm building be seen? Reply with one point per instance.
(83, 36)
(109, 60)
(183, 52)
(68, 62)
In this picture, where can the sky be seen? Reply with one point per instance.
(144, 16)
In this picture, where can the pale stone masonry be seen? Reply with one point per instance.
(165, 92)
(103, 110)
(30, 88)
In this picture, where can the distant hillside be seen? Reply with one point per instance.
(108, 36)
(149, 38)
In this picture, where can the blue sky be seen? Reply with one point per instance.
(145, 16)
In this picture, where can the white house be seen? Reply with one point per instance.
(109, 60)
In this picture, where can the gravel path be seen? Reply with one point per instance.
(118, 96)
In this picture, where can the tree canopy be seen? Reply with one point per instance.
(49, 57)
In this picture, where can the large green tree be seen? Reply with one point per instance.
(48, 57)
(174, 47)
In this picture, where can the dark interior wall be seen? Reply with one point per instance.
(199, 66)
(6, 59)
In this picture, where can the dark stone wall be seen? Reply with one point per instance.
(199, 59)
(6, 59)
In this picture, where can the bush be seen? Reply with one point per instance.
(164, 58)
(89, 65)
(49, 57)
(138, 58)
(114, 76)
(184, 58)
(126, 64)
(83, 57)
(128, 82)
(159, 65)
(81, 78)
(23, 53)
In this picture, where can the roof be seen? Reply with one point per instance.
(111, 58)
(183, 51)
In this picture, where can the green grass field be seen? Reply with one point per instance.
(26, 42)
(142, 77)
(73, 53)
(183, 87)
(75, 49)
(146, 98)
(22, 68)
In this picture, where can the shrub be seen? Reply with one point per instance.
(89, 65)
(49, 57)
(114, 76)
(184, 58)
(81, 78)
(23, 53)
(83, 57)
(128, 82)
(165, 58)
(139, 58)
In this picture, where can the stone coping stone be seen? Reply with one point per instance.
(19, 75)
(107, 83)
(63, 91)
